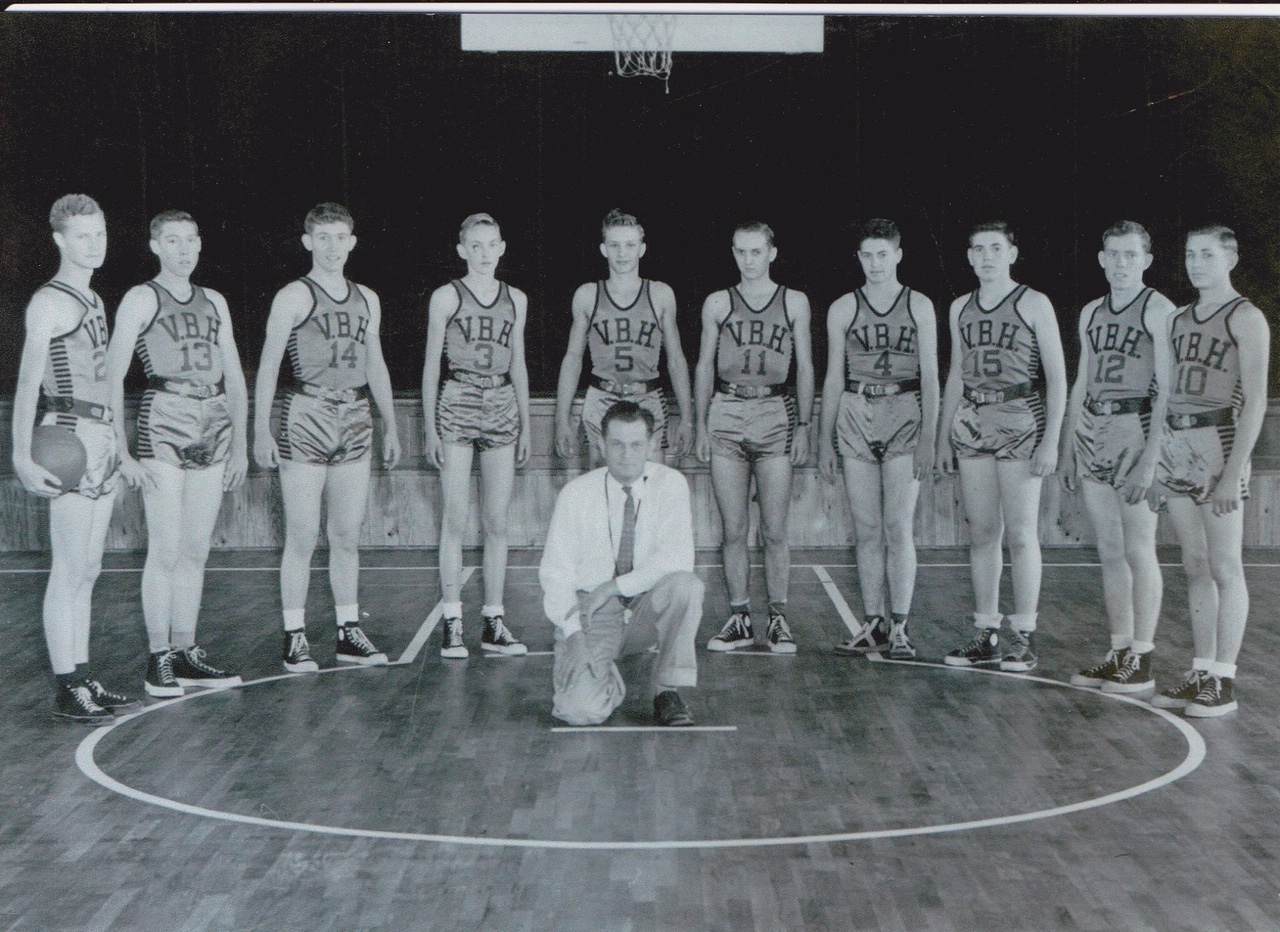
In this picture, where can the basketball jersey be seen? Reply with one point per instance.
(998, 348)
(181, 342)
(478, 336)
(754, 347)
(882, 347)
(328, 348)
(625, 342)
(76, 365)
(1119, 354)
(1206, 361)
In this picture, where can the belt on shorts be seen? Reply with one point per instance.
(882, 389)
(1013, 392)
(1140, 404)
(64, 404)
(186, 389)
(332, 394)
(749, 391)
(624, 388)
(1219, 417)
(478, 380)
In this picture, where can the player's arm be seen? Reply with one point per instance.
(442, 306)
(926, 321)
(136, 311)
(237, 394)
(571, 366)
(380, 381)
(291, 306)
(1075, 402)
(1253, 342)
(714, 310)
(1156, 319)
(952, 393)
(45, 317)
(802, 343)
(520, 374)
(839, 317)
(1039, 313)
(677, 366)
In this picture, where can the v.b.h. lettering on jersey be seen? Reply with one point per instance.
(337, 325)
(1192, 347)
(751, 333)
(481, 329)
(984, 333)
(880, 337)
(614, 330)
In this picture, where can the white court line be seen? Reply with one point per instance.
(837, 599)
(529, 653)
(657, 729)
(428, 625)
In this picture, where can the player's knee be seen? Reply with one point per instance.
(1138, 553)
(774, 534)
(899, 536)
(494, 524)
(1022, 539)
(985, 533)
(1195, 563)
(1226, 567)
(343, 539)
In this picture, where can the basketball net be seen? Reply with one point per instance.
(642, 45)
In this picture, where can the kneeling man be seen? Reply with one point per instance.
(617, 577)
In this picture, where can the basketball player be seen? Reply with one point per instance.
(1006, 437)
(626, 321)
(190, 443)
(1109, 443)
(749, 427)
(330, 327)
(63, 370)
(478, 323)
(880, 403)
(1217, 400)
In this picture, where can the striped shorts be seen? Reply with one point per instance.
(190, 433)
(751, 429)
(1191, 461)
(486, 418)
(102, 468)
(324, 431)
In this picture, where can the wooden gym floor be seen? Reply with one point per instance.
(819, 792)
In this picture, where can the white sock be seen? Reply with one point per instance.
(1142, 647)
(1024, 623)
(1223, 670)
(1120, 641)
(451, 609)
(295, 619)
(981, 620)
(347, 614)
(1201, 663)
(489, 611)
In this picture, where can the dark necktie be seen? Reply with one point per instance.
(627, 546)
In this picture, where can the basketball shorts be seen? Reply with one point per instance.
(102, 458)
(1108, 446)
(325, 431)
(1008, 430)
(597, 402)
(751, 429)
(190, 433)
(486, 418)
(875, 429)
(1191, 462)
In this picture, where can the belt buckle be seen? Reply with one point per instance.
(987, 398)
(1181, 421)
(627, 389)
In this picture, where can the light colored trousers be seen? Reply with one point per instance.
(587, 684)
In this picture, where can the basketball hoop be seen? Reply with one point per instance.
(642, 45)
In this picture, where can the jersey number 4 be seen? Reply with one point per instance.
(350, 357)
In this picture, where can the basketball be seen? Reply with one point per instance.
(61, 452)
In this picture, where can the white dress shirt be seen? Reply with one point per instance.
(586, 531)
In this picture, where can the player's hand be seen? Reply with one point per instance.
(390, 450)
(433, 448)
(522, 447)
(1045, 461)
(800, 446)
(703, 447)
(134, 473)
(36, 479)
(944, 462)
(1140, 479)
(1068, 472)
(684, 438)
(827, 461)
(925, 456)
(265, 452)
(591, 602)
(564, 441)
(237, 469)
(1226, 495)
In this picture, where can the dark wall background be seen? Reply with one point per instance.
(248, 120)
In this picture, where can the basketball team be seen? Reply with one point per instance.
(1165, 409)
